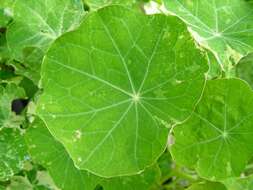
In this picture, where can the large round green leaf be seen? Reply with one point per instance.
(112, 85)
(217, 139)
(226, 27)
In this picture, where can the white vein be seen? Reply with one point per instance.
(107, 135)
(119, 52)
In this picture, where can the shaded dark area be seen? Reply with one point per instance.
(29, 86)
(2, 30)
(18, 105)
(167, 181)
(99, 187)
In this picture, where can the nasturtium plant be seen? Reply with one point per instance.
(125, 77)
(224, 122)
(223, 26)
(126, 94)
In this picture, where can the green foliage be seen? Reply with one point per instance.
(207, 186)
(99, 95)
(224, 26)
(34, 29)
(215, 148)
(13, 152)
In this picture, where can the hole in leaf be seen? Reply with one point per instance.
(18, 105)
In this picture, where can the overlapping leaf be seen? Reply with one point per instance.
(225, 27)
(13, 153)
(112, 85)
(36, 26)
(51, 154)
(217, 139)
(244, 69)
(46, 151)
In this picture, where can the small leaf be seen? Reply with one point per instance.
(7, 95)
(217, 139)
(111, 86)
(244, 69)
(13, 153)
(215, 70)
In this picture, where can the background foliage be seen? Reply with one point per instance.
(130, 94)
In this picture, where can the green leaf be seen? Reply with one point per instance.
(215, 70)
(143, 181)
(96, 4)
(217, 139)
(19, 183)
(37, 25)
(225, 27)
(5, 17)
(207, 186)
(5, 12)
(110, 87)
(48, 152)
(165, 165)
(244, 69)
(45, 150)
(245, 183)
(13, 152)
(4, 52)
(7, 95)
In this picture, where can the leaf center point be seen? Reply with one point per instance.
(136, 97)
(225, 134)
(217, 34)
